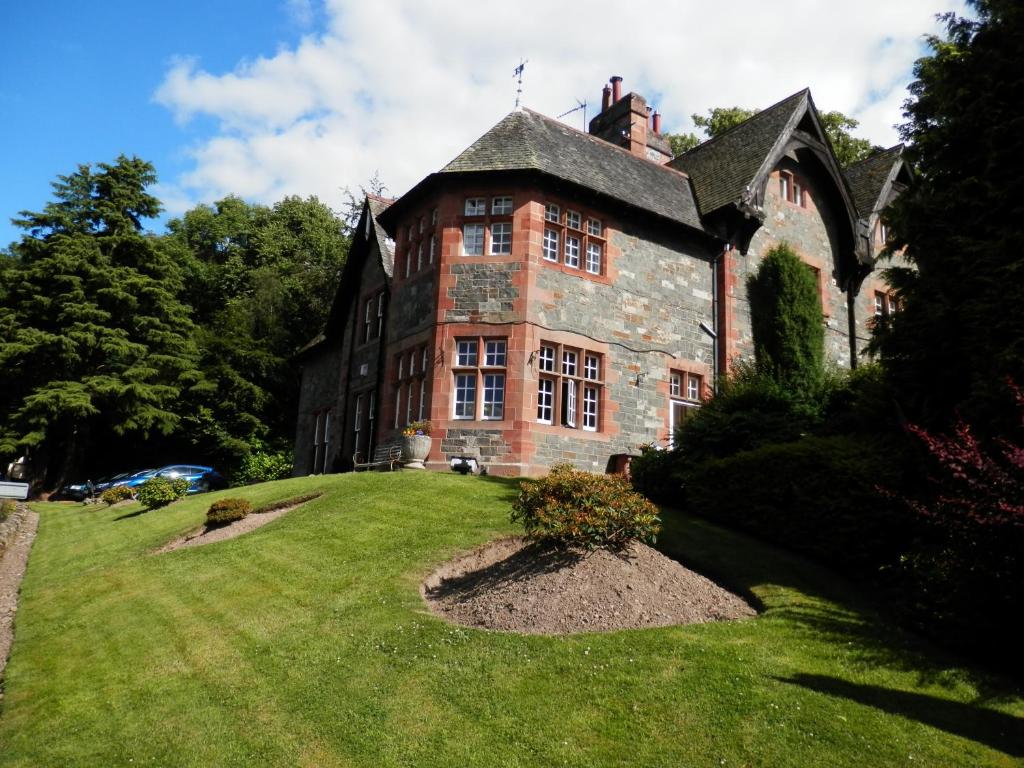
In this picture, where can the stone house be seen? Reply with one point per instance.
(552, 295)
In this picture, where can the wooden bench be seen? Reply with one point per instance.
(383, 456)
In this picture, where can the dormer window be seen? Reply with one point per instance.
(476, 206)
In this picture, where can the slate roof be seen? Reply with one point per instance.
(722, 168)
(387, 246)
(527, 140)
(867, 178)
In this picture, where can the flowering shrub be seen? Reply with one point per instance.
(574, 508)
(966, 568)
(159, 491)
(227, 511)
(417, 428)
(115, 493)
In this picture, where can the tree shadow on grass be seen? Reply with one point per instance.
(128, 515)
(997, 730)
(830, 608)
(532, 560)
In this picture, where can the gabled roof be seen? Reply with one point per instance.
(724, 168)
(386, 246)
(527, 140)
(870, 178)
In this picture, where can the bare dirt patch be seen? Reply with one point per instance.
(13, 561)
(204, 535)
(516, 586)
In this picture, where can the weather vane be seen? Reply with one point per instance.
(518, 73)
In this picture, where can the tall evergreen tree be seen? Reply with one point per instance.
(787, 322)
(91, 321)
(960, 332)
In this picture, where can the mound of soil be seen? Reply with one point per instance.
(204, 535)
(515, 586)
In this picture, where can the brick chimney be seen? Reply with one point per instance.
(625, 123)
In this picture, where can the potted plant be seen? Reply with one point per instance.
(415, 444)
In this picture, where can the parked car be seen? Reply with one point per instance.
(108, 482)
(76, 491)
(200, 478)
(135, 479)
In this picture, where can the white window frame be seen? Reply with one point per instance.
(595, 255)
(473, 239)
(552, 212)
(573, 220)
(476, 206)
(591, 399)
(546, 359)
(572, 251)
(495, 353)
(467, 353)
(493, 401)
(464, 403)
(433, 249)
(501, 205)
(501, 238)
(594, 227)
(545, 400)
(550, 244)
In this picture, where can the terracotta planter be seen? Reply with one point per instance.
(415, 450)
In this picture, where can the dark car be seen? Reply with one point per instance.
(200, 478)
(76, 491)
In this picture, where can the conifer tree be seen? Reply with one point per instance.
(91, 321)
(787, 322)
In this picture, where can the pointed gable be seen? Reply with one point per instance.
(724, 168)
(871, 179)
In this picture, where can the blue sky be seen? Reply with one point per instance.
(271, 97)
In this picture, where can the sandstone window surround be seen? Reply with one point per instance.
(373, 317)
(321, 439)
(791, 189)
(569, 384)
(487, 229)
(479, 369)
(685, 392)
(411, 385)
(419, 248)
(574, 239)
(886, 303)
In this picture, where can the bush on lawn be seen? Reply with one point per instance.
(159, 491)
(115, 494)
(656, 475)
(263, 467)
(818, 495)
(574, 508)
(227, 511)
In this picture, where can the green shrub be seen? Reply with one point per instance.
(159, 491)
(787, 321)
(115, 494)
(818, 495)
(656, 475)
(263, 467)
(7, 507)
(227, 511)
(574, 508)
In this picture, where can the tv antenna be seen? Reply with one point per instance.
(518, 74)
(579, 105)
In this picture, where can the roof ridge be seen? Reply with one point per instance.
(894, 149)
(755, 116)
(604, 143)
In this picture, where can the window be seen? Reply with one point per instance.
(791, 190)
(572, 251)
(374, 307)
(357, 426)
(433, 249)
(419, 257)
(501, 206)
(551, 244)
(572, 244)
(494, 353)
(476, 206)
(886, 304)
(501, 238)
(423, 224)
(466, 353)
(685, 391)
(433, 218)
(490, 377)
(784, 186)
(575, 399)
(411, 388)
(473, 239)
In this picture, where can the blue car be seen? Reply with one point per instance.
(200, 479)
(135, 479)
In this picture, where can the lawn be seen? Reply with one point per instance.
(306, 643)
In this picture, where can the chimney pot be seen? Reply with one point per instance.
(657, 122)
(616, 89)
(606, 98)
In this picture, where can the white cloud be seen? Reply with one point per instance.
(402, 87)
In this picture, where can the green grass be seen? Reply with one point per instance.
(306, 643)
